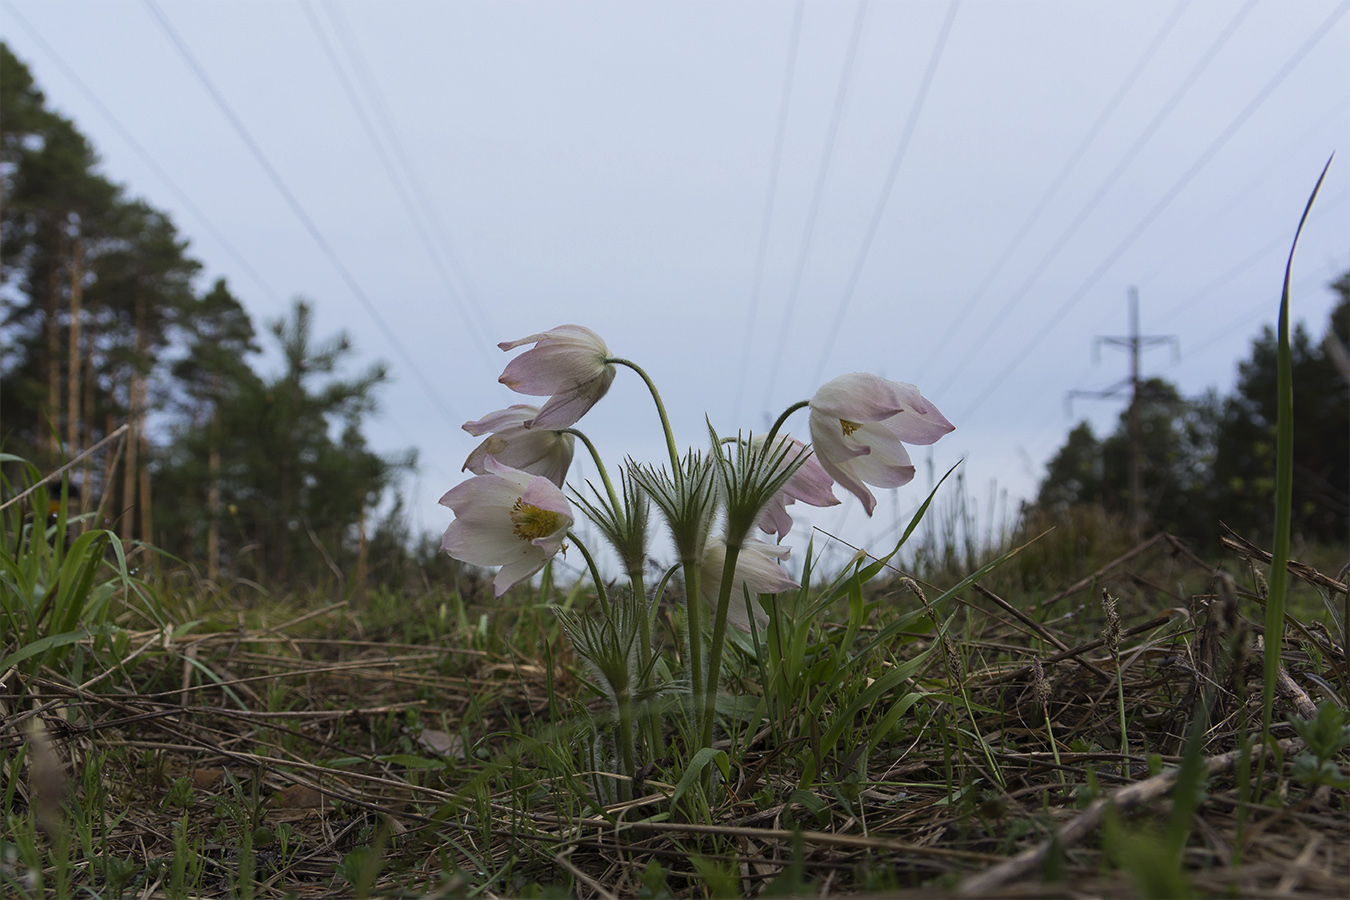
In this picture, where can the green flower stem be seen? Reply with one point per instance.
(660, 409)
(693, 609)
(595, 573)
(624, 702)
(709, 710)
(1124, 733)
(600, 467)
(783, 418)
(651, 709)
(1054, 744)
(639, 590)
(984, 745)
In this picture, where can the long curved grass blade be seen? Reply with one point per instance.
(1284, 482)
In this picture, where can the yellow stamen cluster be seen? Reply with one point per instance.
(529, 522)
(849, 427)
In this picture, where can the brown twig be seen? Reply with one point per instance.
(1123, 799)
(46, 478)
(1038, 628)
(1082, 583)
(1301, 570)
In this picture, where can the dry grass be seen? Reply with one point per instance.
(346, 766)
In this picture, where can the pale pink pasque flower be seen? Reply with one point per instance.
(567, 364)
(506, 518)
(537, 451)
(757, 571)
(857, 424)
(810, 484)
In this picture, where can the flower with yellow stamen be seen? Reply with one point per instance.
(858, 422)
(508, 518)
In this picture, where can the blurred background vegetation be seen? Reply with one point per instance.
(246, 473)
(266, 476)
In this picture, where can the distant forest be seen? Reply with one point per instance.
(248, 475)
(105, 330)
(1207, 463)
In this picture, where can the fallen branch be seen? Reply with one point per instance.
(1096, 576)
(1304, 571)
(1123, 799)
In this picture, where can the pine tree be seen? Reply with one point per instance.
(213, 373)
(144, 289)
(306, 475)
(1245, 462)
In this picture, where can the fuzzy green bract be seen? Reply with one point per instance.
(713, 502)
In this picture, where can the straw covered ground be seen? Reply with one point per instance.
(449, 746)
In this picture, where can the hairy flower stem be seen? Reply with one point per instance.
(595, 573)
(624, 703)
(773, 432)
(660, 409)
(692, 604)
(715, 651)
(653, 722)
(651, 710)
(600, 467)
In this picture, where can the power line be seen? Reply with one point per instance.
(452, 266)
(1222, 213)
(145, 157)
(1254, 312)
(888, 187)
(480, 340)
(774, 171)
(1144, 137)
(809, 231)
(1047, 431)
(1057, 182)
(1279, 242)
(299, 210)
(1217, 144)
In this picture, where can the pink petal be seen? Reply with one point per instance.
(480, 491)
(888, 464)
(518, 479)
(565, 409)
(530, 560)
(756, 572)
(836, 455)
(774, 518)
(812, 485)
(502, 419)
(574, 334)
(483, 542)
(562, 359)
(920, 422)
(858, 397)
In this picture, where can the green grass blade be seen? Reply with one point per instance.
(1284, 483)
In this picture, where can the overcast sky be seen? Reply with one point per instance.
(747, 198)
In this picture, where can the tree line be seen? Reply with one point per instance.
(1208, 462)
(269, 477)
(254, 475)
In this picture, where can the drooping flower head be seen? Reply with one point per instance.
(537, 451)
(567, 364)
(506, 518)
(857, 424)
(810, 483)
(757, 571)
